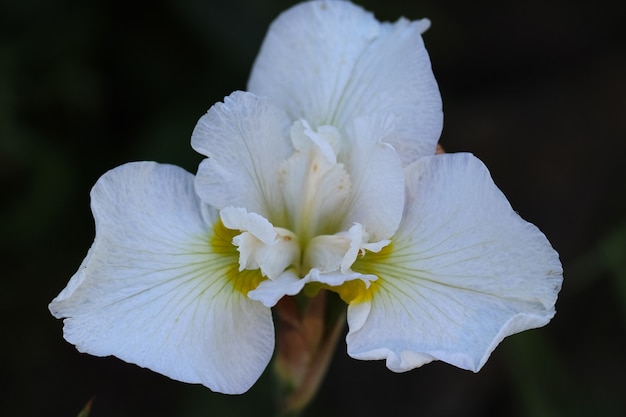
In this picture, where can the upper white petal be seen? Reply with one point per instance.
(464, 271)
(246, 138)
(314, 185)
(330, 61)
(151, 292)
(377, 198)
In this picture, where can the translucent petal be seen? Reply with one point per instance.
(463, 272)
(246, 139)
(330, 61)
(157, 288)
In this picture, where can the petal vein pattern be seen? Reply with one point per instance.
(160, 288)
(462, 272)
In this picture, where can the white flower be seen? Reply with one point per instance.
(324, 174)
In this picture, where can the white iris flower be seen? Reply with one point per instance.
(323, 175)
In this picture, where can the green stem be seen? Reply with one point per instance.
(306, 342)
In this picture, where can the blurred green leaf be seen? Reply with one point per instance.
(613, 254)
(86, 409)
(543, 384)
(606, 258)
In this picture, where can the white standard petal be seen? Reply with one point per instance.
(246, 138)
(463, 272)
(160, 286)
(377, 198)
(331, 61)
(314, 185)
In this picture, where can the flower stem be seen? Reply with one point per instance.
(306, 340)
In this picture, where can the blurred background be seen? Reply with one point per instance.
(535, 89)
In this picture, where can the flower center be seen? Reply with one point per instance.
(315, 186)
(317, 242)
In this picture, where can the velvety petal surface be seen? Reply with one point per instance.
(246, 138)
(329, 62)
(462, 272)
(158, 289)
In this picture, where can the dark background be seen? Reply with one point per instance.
(536, 89)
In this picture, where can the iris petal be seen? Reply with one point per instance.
(463, 272)
(160, 288)
(246, 138)
(330, 62)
